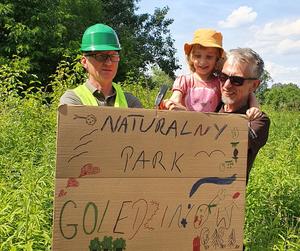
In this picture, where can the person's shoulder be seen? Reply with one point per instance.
(185, 77)
(68, 93)
(183, 81)
(69, 98)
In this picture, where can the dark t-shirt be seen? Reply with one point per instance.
(258, 135)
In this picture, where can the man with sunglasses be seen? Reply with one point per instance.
(100, 47)
(239, 79)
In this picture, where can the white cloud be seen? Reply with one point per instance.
(281, 37)
(283, 28)
(283, 74)
(242, 15)
(279, 47)
(287, 46)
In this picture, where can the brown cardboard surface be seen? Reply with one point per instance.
(154, 180)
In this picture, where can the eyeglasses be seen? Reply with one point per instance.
(102, 58)
(234, 80)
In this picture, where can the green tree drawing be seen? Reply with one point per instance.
(119, 244)
(95, 245)
(107, 243)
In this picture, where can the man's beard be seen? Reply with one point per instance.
(227, 100)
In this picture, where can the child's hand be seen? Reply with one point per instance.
(253, 113)
(173, 106)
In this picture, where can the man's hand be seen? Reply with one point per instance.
(253, 113)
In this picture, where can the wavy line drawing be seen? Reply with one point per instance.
(212, 180)
(75, 156)
(209, 154)
(85, 135)
(83, 144)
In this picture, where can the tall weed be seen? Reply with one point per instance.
(273, 193)
(27, 164)
(27, 155)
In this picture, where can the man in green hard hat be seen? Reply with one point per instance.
(100, 47)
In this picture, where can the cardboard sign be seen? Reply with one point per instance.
(136, 179)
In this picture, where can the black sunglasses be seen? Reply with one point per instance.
(234, 80)
(102, 58)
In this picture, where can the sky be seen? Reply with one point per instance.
(270, 27)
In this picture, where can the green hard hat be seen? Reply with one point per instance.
(100, 37)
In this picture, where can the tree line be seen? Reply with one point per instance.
(42, 33)
(279, 96)
(38, 37)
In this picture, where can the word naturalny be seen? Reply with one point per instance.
(139, 124)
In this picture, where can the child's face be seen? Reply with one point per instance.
(204, 60)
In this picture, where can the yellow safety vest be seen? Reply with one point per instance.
(87, 97)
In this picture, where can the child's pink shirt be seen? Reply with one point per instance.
(198, 95)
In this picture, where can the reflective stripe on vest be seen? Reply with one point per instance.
(87, 97)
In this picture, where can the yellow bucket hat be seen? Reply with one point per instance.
(206, 38)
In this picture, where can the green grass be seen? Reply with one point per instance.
(27, 164)
(27, 160)
(273, 194)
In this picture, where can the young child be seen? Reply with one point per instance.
(200, 90)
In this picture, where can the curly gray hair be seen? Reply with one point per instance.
(247, 55)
